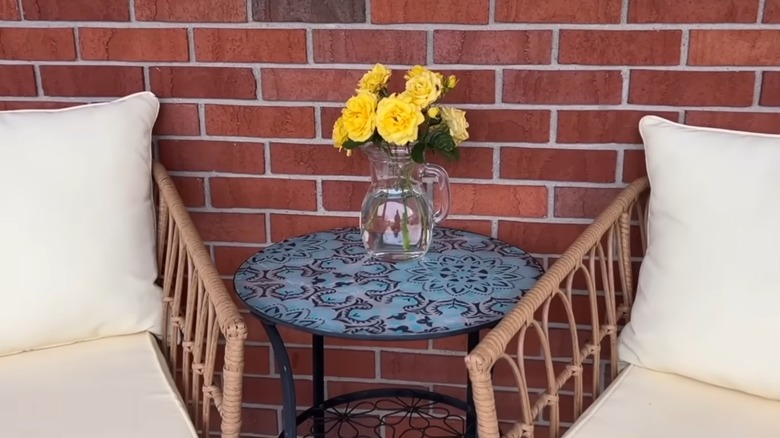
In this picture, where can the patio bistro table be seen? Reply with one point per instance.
(324, 283)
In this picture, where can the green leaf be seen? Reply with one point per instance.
(418, 153)
(351, 144)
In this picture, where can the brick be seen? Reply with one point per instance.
(338, 362)
(581, 202)
(429, 11)
(691, 88)
(191, 190)
(531, 126)
(499, 200)
(326, 160)
(563, 87)
(315, 159)
(260, 121)
(17, 80)
(177, 119)
(288, 225)
(538, 237)
(10, 105)
(746, 47)
(633, 165)
(9, 10)
(296, 84)
(483, 227)
(250, 45)
(345, 342)
(558, 11)
(260, 421)
(76, 10)
(230, 227)
(693, 11)
(310, 11)
(474, 86)
(104, 44)
(222, 11)
(620, 47)
(37, 44)
(558, 164)
(343, 195)
(203, 82)
(772, 11)
(604, 126)
(263, 193)
(428, 368)
(227, 260)
(212, 156)
(492, 47)
(81, 80)
(474, 162)
(268, 391)
(340, 387)
(369, 46)
(767, 123)
(328, 116)
(770, 89)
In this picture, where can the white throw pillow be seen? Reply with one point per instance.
(77, 224)
(708, 302)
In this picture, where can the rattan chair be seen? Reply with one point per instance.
(199, 315)
(602, 251)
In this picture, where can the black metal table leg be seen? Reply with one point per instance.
(318, 383)
(471, 420)
(289, 422)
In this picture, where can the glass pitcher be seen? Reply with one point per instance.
(398, 216)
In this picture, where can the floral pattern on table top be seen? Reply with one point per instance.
(325, 282)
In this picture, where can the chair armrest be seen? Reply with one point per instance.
(603, 246)
(198, 316)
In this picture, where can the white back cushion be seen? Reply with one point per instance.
(708, 301)
(77, 230)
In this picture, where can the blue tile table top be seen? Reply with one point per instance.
(325, 283)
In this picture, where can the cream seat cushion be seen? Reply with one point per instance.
(116, 387)
(708, 301)
(642, 403)
(77, 227)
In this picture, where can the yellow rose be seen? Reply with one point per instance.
(340, 135)
(424, 88)
(433, 112)
(397, 119)
(359, 116)
(456, 121)
(374, 79)
(415, 71)
(452, 81)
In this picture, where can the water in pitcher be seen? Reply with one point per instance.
(396, 223)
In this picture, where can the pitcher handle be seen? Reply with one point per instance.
(443, 181)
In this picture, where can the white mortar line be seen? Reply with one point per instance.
(761, 11)
(398, 26)
(757, 89)
(465, 106)
(191, 44)
(131, 10)
(624, 12)
(77, 43)
(309, 46)
(455, 67)
(38, 80)
(686, 38)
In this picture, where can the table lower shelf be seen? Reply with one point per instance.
(388, 413)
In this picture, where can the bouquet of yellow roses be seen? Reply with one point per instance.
(409, 119)
(395, 130)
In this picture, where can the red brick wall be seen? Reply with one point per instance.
(553, 91)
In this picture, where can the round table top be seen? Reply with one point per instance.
(326, 284)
